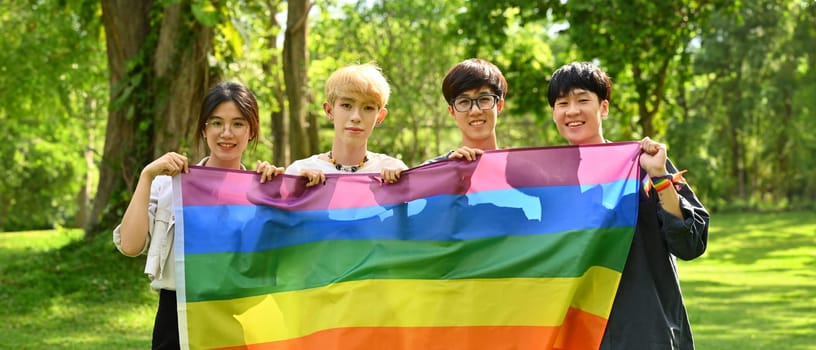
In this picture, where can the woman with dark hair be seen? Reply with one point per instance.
(227, 124)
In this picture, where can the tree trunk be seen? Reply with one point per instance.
(84, 195)
(736, 138)
(272, 68)
(183, 74)
(650, 94)
(127, 25)
(158, 76)
(302, 127)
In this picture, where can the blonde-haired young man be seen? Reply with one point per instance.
(356, 97)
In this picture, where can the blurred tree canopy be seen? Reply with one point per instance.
(92, 91)
(54, 95)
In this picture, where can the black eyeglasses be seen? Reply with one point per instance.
(464, 104)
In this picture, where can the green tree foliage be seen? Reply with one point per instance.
(487, 25)
(416, 42)
(402, 37)
(753, 93)
(803, 183)
(521, 37)
(53, 94)
(645, 41)
(730, 86)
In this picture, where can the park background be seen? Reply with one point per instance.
(91, 91)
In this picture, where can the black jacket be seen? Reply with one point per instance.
(648, 311)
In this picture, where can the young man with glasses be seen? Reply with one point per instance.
(474, 90)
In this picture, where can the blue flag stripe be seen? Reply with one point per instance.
(246, 228)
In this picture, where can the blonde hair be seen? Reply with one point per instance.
(359, 81)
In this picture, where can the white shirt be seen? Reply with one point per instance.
(159, 241)
(375, 163)
(160, 263)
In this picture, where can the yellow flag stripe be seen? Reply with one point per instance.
(400, 303)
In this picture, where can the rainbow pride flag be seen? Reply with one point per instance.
(520, 249)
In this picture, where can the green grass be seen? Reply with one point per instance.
(755, 288)
(60, 292)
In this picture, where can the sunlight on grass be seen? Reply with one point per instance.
(61, 292)
(755, 288)
(70, 325)
(37, 241)
(121, 328)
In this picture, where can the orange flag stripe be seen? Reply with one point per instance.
(581, 330)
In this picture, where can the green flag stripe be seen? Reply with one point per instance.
(219, 276)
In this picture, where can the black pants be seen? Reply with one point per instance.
(165, 328)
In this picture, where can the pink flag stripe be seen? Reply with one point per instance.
(495, 170)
